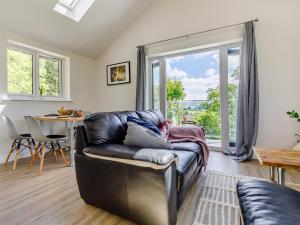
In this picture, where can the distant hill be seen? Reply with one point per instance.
(193, 105)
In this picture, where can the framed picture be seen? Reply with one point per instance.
(118, 73)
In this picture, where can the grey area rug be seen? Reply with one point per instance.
(218, 204)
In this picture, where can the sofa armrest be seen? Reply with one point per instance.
(159, 157)
(151, 158)
(140, 193)
(81, 139)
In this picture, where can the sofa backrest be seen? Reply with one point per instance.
(111, 127)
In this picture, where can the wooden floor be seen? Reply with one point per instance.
(53, 198)
(220, 162)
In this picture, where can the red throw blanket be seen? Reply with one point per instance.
(189, 134)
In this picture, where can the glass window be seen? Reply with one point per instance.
(68, 3)
(33, 74)
(73, 9)
(49, 77)
(19, 72)
(193, 92)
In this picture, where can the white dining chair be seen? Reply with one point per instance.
(44, 142)
(20, 141)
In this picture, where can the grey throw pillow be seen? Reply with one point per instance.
(142, 137)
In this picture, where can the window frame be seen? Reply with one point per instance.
(70, 7)
(154, 64)
(36, 55)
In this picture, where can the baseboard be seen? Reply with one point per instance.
(2, 159)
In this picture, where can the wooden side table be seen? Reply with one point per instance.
(278, 159)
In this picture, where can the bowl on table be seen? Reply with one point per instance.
(65, 112)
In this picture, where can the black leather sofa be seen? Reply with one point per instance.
(266, 203)
(147, 190)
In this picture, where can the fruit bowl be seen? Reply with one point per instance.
(64, 112)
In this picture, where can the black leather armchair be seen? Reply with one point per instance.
(143, 185)
(266, 203)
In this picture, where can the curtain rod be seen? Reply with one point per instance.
(200, 32)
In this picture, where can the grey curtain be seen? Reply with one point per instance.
(141, 80)
(248, 101)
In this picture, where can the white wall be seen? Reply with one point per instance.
(277, 33)
(82, 75)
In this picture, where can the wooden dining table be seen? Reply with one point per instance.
(70, 122)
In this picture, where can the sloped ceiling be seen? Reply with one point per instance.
(98, 28)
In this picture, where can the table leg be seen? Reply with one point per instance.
(67, 129)
(72, 152)
(281, 176)
(272, 173)
(42, 124)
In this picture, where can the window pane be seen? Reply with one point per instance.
(193, 92)
(69, 3)
(19, 72)
(156, 86)
(233, 82)
(49, 77)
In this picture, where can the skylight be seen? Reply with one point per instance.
(69, 4)
(74, 9)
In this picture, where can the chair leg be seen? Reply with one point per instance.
(42, 161)
(29, 147)
(32, 141)
(64, 156)
(17, 155)
(53, 150)
(9, 153)
(36, 152)
(55, 155)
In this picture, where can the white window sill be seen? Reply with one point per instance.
(36, 99)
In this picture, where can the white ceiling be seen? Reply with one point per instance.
(36, 19)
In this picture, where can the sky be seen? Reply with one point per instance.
(198, 72)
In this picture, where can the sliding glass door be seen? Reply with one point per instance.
(156, 84)
(199, 88)
(233, 84)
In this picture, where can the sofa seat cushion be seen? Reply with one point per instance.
(267, 203)
(187, 166)
(189, 146)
